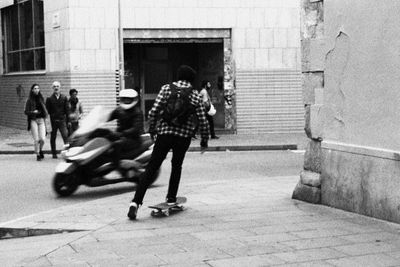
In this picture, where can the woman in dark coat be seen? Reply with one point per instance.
(36, 111)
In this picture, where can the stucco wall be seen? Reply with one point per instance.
(360, 158)
(362, 73)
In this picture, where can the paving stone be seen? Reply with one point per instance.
(255, 249)
(120, 235)
(316, 243)
(394, 254)
(366, 248)
(224, 245)
(234, 225)
(196, 257)
(166, 239)
(42, 262)
(258, 260)
(128, 251)
(269, 229)
(374, 260)
(371, 237)
(267, 238)
(179, 230)
(321, 233)
(309, 255)
(222, 234)
(308, 264)
(90, 257)
(133, 260)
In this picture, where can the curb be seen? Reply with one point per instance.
(245, 148)
(191, 149)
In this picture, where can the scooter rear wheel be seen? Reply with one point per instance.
(65, 184)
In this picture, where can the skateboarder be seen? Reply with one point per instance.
(172, 132)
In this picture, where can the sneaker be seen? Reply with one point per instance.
(170, 201)
(214, 137)
(41, 154)
(55, 156)
(133, 208)
(38, 158)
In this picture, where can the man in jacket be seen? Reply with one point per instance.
(171, 136)
(57, 106)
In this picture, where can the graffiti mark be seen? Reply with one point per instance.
(228, 100)
(20, 93)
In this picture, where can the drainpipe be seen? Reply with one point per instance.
(121, 49)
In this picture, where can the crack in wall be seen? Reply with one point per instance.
(337, 60)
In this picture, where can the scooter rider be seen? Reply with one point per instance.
(130, 125)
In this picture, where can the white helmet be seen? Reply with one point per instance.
(128, 98)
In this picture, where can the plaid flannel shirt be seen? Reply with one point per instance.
(184, 130)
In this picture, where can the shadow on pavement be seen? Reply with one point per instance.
(88, 193)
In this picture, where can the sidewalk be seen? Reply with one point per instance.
(256, 224)
(15, 141)
(226, 223)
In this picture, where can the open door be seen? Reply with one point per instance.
(154, 75)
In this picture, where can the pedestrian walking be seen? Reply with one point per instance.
(75, 111)
(210, 109)
(57, 106)
(36, 112)
(171, 123)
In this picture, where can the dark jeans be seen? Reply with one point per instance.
(124, 147)
(73, 128)
(211, 124)
(58, 125)
(164, 143)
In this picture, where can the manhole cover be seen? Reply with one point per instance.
(24, 144)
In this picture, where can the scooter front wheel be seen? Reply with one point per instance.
(65, 184)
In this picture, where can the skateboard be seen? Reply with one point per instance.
(163, 209)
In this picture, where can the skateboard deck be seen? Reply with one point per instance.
(163, 209)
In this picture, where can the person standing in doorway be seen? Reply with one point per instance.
(205, 94)
(172, 132)
(36, 112)
(75, 111)
(57, 106)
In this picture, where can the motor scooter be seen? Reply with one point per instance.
(88, 160)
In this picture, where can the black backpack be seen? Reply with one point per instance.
(178, 107)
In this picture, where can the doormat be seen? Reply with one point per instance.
(23, 144)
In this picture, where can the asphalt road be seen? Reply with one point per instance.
(25, 184)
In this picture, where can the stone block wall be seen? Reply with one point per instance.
(265, 34)
(81, 36)
(312, 67)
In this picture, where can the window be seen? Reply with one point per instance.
(23, 31)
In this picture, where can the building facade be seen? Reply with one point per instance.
(351, 69)
(249, 50)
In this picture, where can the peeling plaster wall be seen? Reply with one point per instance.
(362, 73)
(360, 159)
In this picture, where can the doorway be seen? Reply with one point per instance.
(151, 64)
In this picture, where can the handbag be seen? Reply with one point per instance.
(47, 123)
(212, 110)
